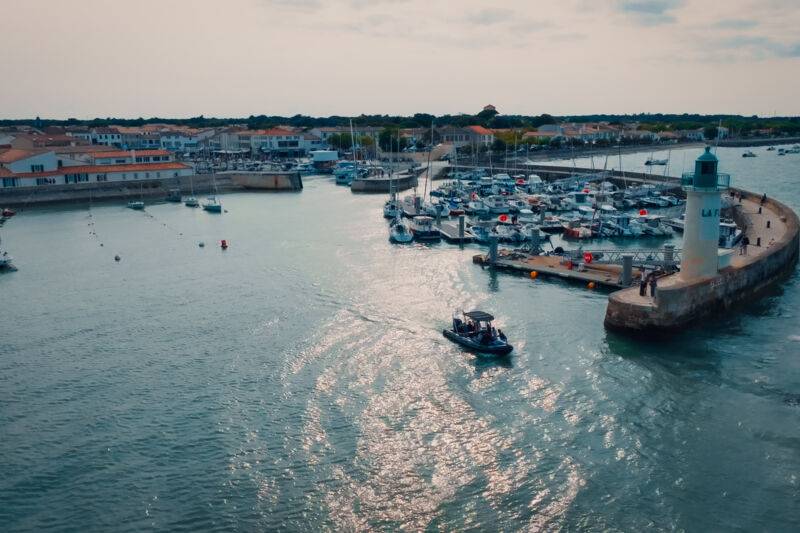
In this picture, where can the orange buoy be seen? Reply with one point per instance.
(534, 274)
(591, 285)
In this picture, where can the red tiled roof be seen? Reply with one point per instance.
(104, 169)
(480, 130)
(17, 154)
(127, 153)
(270, 132)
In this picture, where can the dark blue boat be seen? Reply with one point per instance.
(475, 332)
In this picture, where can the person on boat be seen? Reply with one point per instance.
(501, 335)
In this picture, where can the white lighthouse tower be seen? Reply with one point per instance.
(701, 226)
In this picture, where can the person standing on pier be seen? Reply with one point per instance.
(764, 199)
(653, 285)
(745, 242)
(643, 283)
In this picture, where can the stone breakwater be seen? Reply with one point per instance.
(681, 303)
(83, 192)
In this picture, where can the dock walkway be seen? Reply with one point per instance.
(558, 266)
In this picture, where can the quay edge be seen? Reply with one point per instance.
(682, 304)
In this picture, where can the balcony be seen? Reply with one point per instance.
(723, 182)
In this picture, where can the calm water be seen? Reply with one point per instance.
(300, 380)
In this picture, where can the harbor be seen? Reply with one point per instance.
(214, 325)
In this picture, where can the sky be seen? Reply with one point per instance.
(234, 58)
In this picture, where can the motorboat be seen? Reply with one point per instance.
(423, 229)
(652, 225)
(212, 205)
(474, 331)
(574, 229)
(6, 261)
(552, 224)
(456, 206)
(477, 207)
(400, 231)
(652, 162)
(676, 223)
(191, 202)
(8, 213)
(436, 209)
(497, 205)
(748, 153)
(654, 201)
(770, 149)
(174, 195)
(305, 169)
(619, 225)
(136, 205)
(508, 233)
(729, 233)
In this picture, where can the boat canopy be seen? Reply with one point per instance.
(479, 316)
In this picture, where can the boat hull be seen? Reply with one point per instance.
(497, 350)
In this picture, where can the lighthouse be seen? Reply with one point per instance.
(703, 189)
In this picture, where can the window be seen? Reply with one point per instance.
(10, 182)
(102, 177)
(37, 168)
(124, 176)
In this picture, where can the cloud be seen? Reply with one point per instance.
(650, 12)
(736, 24)
(761, 47)
(490, 16)
(295, 4)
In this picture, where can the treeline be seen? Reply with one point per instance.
(737, 124)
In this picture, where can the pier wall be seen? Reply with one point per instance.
(83, 192)
(551, 172)
(381, 185)
(682, 304)
(268, 181)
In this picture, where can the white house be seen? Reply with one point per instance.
(97, 173)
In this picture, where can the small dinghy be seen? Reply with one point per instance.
(474, 331)
(136, 205)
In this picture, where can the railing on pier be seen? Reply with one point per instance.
(667, 258)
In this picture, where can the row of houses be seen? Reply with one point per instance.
(31, 167)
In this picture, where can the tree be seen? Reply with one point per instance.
(389, 140)
(499, 145)
(340, 141)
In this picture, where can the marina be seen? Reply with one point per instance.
(255, 284)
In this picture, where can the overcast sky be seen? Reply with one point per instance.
(180, 58)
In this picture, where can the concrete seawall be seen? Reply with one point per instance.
(680, 303)
(82, 192)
